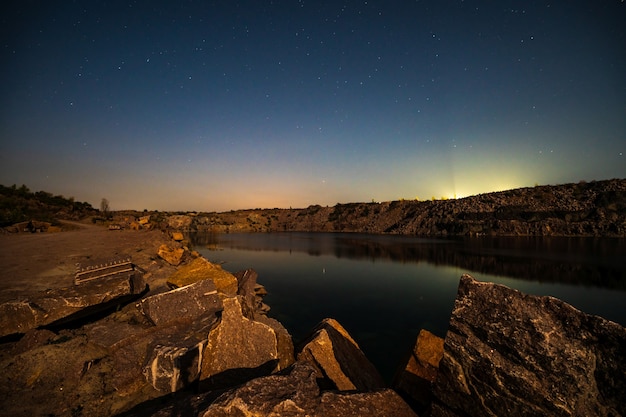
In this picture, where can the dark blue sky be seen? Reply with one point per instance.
(198, 105)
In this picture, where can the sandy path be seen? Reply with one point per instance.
(33, 262)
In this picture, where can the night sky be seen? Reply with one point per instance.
(219, 105)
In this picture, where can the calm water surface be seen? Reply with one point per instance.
(384, 289)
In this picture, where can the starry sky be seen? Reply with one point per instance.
(220, 105)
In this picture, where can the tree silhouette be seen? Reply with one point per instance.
(104, 207)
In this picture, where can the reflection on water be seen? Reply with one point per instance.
(384, 289)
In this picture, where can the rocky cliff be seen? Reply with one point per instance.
(581, 209)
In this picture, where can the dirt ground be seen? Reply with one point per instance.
(33, 262)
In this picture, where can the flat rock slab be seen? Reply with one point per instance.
(188, 302)
(508, 353)
(338, 359)
(67, 304)
(200, 269)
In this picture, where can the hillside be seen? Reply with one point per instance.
(596, 208)
(19, 204)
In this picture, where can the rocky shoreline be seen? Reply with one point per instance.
(127, 342)
(596, 208)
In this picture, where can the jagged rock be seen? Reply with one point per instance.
(338, 359)
(173, 256)
(188, 302)
(295, 393)
(420, 370)
(67, 304)
(239, 348)
(252, 293)
(508, 353)
(201, 269)
(252, 307)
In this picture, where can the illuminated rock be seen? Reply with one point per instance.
(340, 362)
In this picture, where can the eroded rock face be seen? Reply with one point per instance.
(338, 359)
(296, 393)
(508, 353)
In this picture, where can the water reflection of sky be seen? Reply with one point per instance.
(383, 301)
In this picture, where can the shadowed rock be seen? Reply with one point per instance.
(420, 370)
(295, 393)
(338, 359)
(251, 295)
(61, 305)
(176, 358)
(508, 353)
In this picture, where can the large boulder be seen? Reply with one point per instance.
(188, 302)
(419, 371)
(339, 361)
(61, 305)
(508, 353)
(295, 393)
(201, 269)
(239, 348)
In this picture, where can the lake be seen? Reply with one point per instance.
(383, 289)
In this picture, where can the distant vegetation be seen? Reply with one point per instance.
(19, 204)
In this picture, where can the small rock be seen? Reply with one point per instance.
(173, 256)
